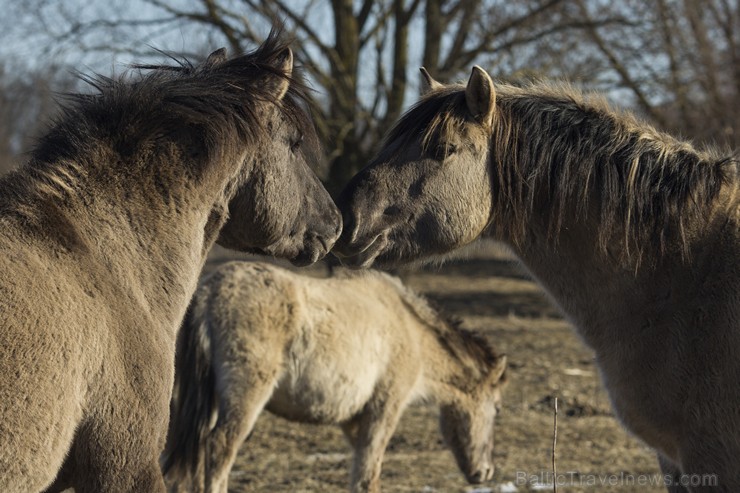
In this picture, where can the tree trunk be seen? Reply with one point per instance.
(343, 96)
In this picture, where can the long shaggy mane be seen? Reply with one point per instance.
(583, 154)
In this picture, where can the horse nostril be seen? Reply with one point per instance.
(324, 243)
(349, 227)
(485, 473)
(392, 210)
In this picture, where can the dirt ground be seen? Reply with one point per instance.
(491, 293)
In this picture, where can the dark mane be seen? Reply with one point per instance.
(217, 99)
(583, 155)
(433, 116)
(470, 348)
(211, 105)
(235, 85)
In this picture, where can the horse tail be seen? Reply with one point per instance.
(194, 399)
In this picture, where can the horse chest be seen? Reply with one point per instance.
(644, 397)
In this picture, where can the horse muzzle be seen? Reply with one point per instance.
(361, 256)
(315, 245)
(481, 475)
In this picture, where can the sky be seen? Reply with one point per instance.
(31, 30)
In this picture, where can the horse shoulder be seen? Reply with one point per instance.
(249, 305)
(39, 338)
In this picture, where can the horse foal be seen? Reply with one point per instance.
(257, 336)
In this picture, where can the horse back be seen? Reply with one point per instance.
(335, 342)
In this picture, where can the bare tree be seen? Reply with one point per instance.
(679, 60)
(26, 104)
(676, 61)
(362, 55)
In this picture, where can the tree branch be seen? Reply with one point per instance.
(618, 67)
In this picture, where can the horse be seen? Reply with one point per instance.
(103, 234)
(351, 349)
(633, 233)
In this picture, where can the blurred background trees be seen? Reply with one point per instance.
(26, 103)
(676, 62)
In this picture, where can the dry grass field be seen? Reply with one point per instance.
(491, 293)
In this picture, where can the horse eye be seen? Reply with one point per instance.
(297, 143)
(445, 149)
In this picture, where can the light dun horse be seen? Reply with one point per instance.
(103, 234)
(634, 234)
(353, 351)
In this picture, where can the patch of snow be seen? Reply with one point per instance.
(541, 487)
(508, 488)
(326, 457)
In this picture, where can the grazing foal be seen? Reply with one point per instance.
(634, 234)
(352, 350)
(103, 234)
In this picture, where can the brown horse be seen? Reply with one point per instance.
(634, 234)
(103, 234)
(352, 350)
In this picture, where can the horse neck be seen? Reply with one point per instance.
(572, 158)
(573, 227)
(598, 290)
(447, 379)
(147, 232)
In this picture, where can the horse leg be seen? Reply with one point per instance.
(109, 471)
(671, 475)
(350, 430)
(65, 476)
(118, 448)
(83, 474)
(239, 407)
(369, 434)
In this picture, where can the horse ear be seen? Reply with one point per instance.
(285, 66)
(216, 58)
(480, 96)
(427, 82)
(498, 370)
